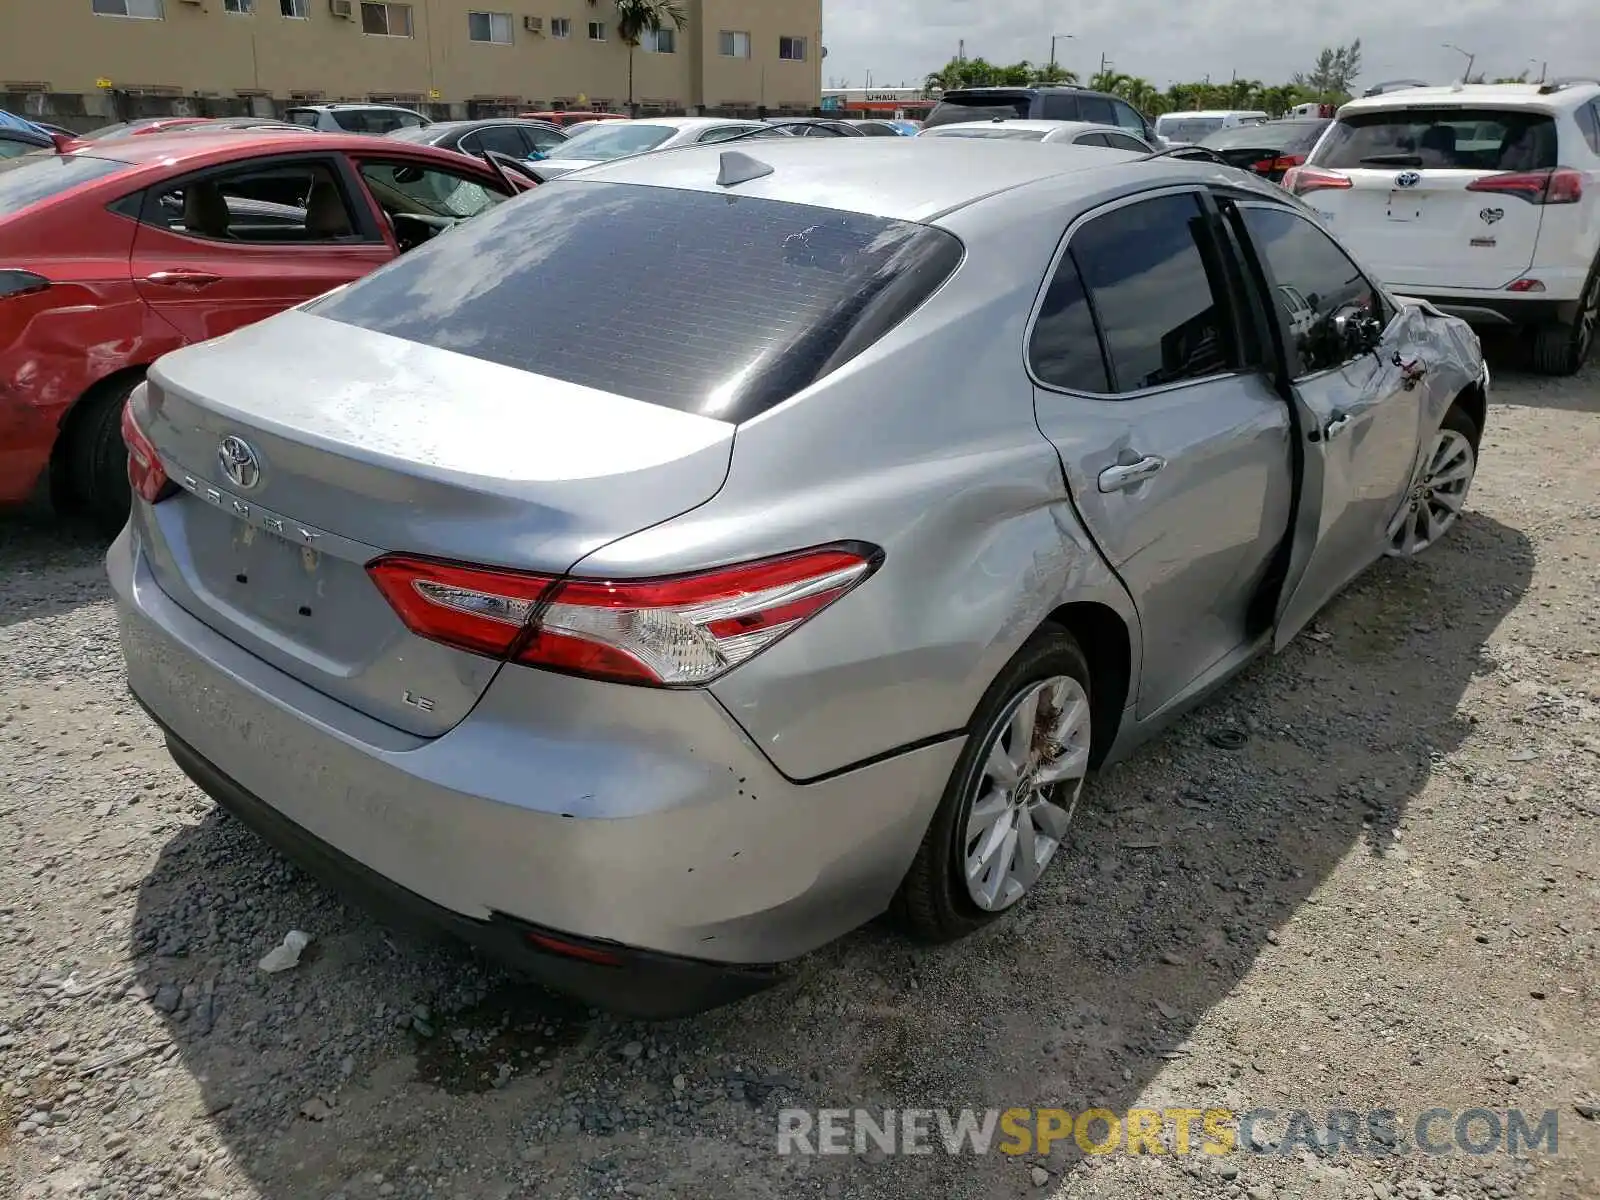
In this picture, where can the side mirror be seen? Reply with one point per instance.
(62, 141)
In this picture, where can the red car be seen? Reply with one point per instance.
(113, 255)
(126, 129)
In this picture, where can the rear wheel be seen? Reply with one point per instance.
(96, 457)
(1440, 492)
(1010, 801)
(1562, 349)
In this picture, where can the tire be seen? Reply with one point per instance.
(1434, 505)
(96, 457)
(1562, 349)
(935, 902)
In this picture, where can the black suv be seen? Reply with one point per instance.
(1040, 104)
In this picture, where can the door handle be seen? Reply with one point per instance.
(1340, 422)
(1126, 475)
(181, 277)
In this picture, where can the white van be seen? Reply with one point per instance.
(1187, 128)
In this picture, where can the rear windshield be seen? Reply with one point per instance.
(303, 116)
(989, 131)
(1187, 129)
(1467, 139)
(605, 141)
(35, 177)
(704, 302)
(372, 120)
(978, 106)
(1275, 135)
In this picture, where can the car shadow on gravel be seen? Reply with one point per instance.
(1510, 361)
(48, 566)
(381, 1054)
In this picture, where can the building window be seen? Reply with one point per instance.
(294, 9)
(597, 31)
(659, 41)
(561, 27)
(242, 8)
(386, 20)
(792, 49)
(733, 45)
(147, 10)
(489, 27)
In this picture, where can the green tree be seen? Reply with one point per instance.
(1054, 73)
(1336, 70)
(1018, 74)
(1520, 77)
(635, 18)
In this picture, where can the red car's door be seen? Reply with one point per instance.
(221, 248)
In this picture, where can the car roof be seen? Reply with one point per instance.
(160, 148)
(905, 179)
(319, 104)
(1211, 112)
(1040, 126)
(686, 122)
(1471, 95)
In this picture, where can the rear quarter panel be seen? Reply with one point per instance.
(926, 445)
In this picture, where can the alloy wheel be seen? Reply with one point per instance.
(1026, 791)
(1436, 499)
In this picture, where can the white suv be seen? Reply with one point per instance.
(1483, 199)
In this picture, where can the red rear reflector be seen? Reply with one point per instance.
(146, 475)
(566, 949)
(682, 631)
(1526, 285)
(1302, 179)
(1562, 185)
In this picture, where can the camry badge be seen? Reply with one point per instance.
(239, 462)
(1407, 179)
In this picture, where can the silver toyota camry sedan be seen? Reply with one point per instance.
(694, 559)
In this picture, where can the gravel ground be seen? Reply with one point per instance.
(1386, 897)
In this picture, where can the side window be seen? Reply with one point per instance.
(285, 204)
(503, 139)
(541, 141)
(1157, 283)
(1090, 139)
(1064, 350)
(1316, 283)
(353, 120)
(422, 202)
(1060, 108)
(1589, 122)
(1097, 109)
(721, 133)
(1119, 141)
(1124, 117)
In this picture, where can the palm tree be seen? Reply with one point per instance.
(635, 18)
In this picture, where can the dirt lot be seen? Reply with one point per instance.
(1387, 897)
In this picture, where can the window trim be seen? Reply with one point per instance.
(161, 12)
(142, 205)
(246, 8)
(601, 26)
(1265, 281)
(1203, 195)
(304, 7)
(749, 44)
(561, 27)
(386, 5)
(805, 49)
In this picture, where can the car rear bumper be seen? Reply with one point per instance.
(1491, 308)
(630, 816)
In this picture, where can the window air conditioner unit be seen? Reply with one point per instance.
(340, 8)
(533, 24)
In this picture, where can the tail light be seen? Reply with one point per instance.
(1270, 166)
(21, 283)
(1560, 185)
(682, 631)
(1302, 179)
(146, 475)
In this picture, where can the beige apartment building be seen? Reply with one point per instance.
(732, 54)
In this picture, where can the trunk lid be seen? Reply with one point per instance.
(349, 443)
(1411, 211)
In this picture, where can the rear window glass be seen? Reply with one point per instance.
(989, 131)
(1187, 130)
(304, 116)
(704, 302)
(1284, 135)
(608, 140)
(32, 178)
(1466, 139)
(969, 106)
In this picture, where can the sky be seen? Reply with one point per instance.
(900, 41)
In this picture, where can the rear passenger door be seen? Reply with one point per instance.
(222, 248)
(1149, 381)
(1359, 422)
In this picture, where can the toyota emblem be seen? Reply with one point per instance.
(239, 462)
(1407, 179)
